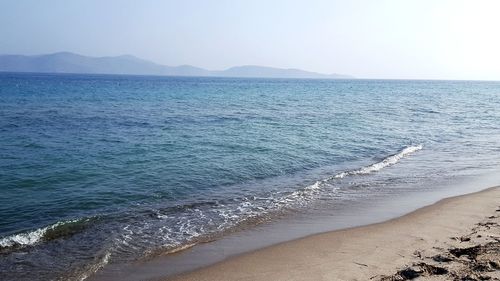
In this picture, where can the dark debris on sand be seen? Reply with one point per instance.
(480, 260)
(417, 270)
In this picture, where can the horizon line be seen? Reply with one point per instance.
(250, 78)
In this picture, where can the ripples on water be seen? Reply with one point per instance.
(98, 169)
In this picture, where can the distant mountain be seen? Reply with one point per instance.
(271, 72)
(65, 62)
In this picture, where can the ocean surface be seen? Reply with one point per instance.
(103, 169)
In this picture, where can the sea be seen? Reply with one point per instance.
(99, 170)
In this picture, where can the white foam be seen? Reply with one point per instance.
(181, 248)
(95, 267)
(389, 161)
(314, 186)
(30, 238)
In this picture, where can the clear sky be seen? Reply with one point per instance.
(422, 39)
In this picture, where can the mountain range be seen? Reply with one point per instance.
(65, 62)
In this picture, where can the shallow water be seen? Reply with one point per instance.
(98, 170)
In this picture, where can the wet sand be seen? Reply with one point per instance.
(456, 238)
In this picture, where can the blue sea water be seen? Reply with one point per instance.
(99, 169)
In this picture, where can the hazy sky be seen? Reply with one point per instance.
(368, 39)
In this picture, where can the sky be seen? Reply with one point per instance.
(398, 39)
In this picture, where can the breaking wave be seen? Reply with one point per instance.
(386, 162)
(54, 231)
(389, 161)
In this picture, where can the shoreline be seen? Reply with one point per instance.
(378, 251)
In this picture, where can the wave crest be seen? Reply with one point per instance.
(389, 161)
(54, 231)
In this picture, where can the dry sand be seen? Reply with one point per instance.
(455, 239)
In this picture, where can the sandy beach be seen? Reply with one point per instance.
(454, 239)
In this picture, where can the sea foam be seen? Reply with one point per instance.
(35, 236)
(389, 161)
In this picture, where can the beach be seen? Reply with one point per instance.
(249, 140)
(146, 177)
(456, 238)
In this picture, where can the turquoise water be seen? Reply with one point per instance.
(110, 169)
